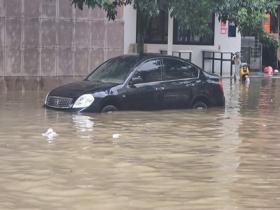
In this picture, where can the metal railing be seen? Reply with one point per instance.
(217, 56)
(185, 54)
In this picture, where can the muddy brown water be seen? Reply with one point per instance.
(219, 159)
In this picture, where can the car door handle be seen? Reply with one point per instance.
(159, 89)
(192, 84)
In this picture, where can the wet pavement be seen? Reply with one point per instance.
(216, 159)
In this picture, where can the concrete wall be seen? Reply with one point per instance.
(51, 38)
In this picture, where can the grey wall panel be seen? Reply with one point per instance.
(65, 33)
(32, 8)
(13, 62)
(65, 9)
(65, 62)
(31, 62)
(52, 38)
(1, 61)
(48, 9)
(81, 61)
(96, 55)
(13, 35)
(2, 8)
(115, 35)
(2, 31)
(13, 8)
(48, 62)
(84, 14)
(82, 34)
(97, 34)
(31, 33)
(48, 33)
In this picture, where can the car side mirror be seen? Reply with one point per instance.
(136, 80)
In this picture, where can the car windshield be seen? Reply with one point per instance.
(115, 70)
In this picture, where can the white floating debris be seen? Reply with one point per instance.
(50, 134)
(116, 136)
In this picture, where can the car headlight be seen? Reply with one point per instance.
(83, 101)
(46, 99)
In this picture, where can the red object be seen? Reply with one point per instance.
(266, 24)
(268, 70)
(223, 27)
(221, 85)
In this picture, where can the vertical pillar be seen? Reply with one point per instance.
(40, 39)
(278, 33)
(213, 62)
(4, 47)
(221, 64)
(22, 47)
(203, 60)
(170, 34)
(74, 44)
(231, 58)
(57, 39)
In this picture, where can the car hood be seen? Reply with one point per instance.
(76, 89)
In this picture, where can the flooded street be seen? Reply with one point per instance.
(218, 159)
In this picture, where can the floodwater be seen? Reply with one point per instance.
(166, 160)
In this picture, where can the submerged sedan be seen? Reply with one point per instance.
(140, 82)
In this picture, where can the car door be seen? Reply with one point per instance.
(143, 92)
(179, 79)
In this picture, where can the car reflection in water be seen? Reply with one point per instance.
(84, 125)
(140, 82)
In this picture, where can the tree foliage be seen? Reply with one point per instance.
(110, 6)
(194, 14)
(247, 15)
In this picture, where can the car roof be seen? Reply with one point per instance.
(145, 56)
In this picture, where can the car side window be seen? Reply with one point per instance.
(150, 71)
(177, 69)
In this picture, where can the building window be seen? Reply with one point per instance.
(186, 37)
(273, 24)
(157, 30)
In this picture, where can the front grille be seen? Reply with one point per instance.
(59, 102)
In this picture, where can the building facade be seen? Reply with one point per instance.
(225, 38)
(51, 38)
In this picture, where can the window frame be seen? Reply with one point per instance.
(183, 61)
(150, 41)
(142, 63)
(209, 43)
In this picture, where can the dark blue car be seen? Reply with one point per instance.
(140, 82)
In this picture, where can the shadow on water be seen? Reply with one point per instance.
(177, 159)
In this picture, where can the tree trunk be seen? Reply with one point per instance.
(141, 32)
